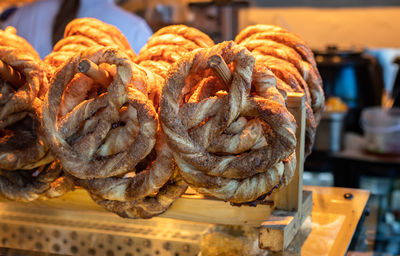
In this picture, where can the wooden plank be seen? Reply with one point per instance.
(290, 197)
(191, 207)
(278, 231)
(217, 211)
(295, 247)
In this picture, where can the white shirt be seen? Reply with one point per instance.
(34, 22)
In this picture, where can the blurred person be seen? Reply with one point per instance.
(42, 22)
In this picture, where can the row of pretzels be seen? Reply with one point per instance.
(136, 130)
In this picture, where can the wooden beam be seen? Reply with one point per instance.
(93, 71)
(210, 210)
(278, 231)
(220, 69)
(290, 197)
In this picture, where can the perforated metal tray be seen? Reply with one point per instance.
(72, 232)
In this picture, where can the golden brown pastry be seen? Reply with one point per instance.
(66, 48)
(83, 33)
(162, 50)
(20, 147)
(45, 182)
(168, 45)
(107, 136)
(292, 61)
(235, 143)
(27, 170)
(102, 33)
(144, 193)
(97, 131)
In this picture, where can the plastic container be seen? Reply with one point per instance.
(329, 137)
(382, 130)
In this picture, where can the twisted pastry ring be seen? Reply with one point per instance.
(46, 181)
(151, 185)
(233, 143)
(103, 132)
(168, 45)
(66, 48)
(20, 147)
(290, 56)
(148, 193)
(102, 33)
(292, 61)
(27, 170)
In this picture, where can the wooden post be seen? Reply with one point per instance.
(293, 205)
(11, 76)
(289, 198)
(93, 71)
(221, 70)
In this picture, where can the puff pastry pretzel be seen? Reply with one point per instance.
(168, 45)
(235, 143)
(292, 61)
(27, 170)
(83, 33)
(94, 130)
(107, 136)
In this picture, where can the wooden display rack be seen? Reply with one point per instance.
(278, 219)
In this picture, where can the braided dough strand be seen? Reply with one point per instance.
(149, 206)
(199, 129)
(83, 33)
(143, 194)
(102, 33)
(47, 181)
(21, 143)
(85, 139)
(168, 45)
(292, 61)
(27, 168)
(140, 183)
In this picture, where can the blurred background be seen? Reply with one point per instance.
(357, 48)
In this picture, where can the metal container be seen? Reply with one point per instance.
(329, 136)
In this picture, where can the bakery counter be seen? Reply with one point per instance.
(73, 224)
